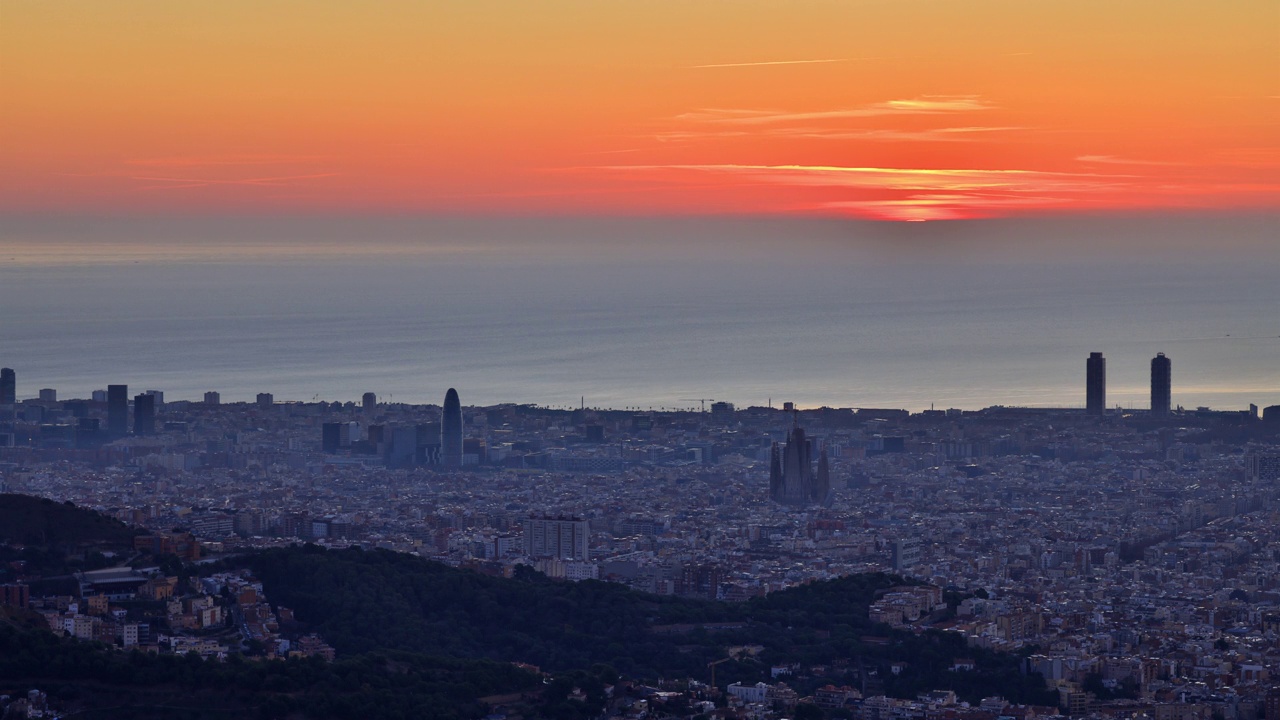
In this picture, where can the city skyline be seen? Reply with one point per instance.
(451, 423)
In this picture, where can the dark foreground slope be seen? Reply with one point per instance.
(89, 680)
(366, 600)
(28, 520)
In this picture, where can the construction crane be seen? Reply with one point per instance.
(704, 401)
(713, 665)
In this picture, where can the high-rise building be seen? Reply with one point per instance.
(564, 538)
(330, 437)
(265, 400)
(8, 387)
(722, 412)
(1095, 384)
(48, 395)
(1161, 385)
(144, 414)
(1262, 466)
(117, 410)
(212, 398)
(369, 401)
(792, 480)
(451, 431)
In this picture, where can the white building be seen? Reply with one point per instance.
(562, 538)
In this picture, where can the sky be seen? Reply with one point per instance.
(874, 109)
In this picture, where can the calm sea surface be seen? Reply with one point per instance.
(648, 314)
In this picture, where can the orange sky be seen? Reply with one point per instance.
(893, 109)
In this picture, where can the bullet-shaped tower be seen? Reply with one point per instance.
(451, 431)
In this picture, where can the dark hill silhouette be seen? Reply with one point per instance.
(28, 520)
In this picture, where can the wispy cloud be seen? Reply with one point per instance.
(905, 179)
(940, 206)
(913, 193)
(1113, 160)
(951, 134)
(779, 62)
(926, 105)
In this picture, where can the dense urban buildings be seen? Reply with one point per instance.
(1161, 385)
(1135, 561)
(1096, 384)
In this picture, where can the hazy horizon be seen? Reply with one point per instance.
(645, 312)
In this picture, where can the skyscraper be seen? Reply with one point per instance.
(212, 398)
(330, 437)
(1161, 384)
(1095, 384)
(8, 387)
(370, 402)
(117, 410)
(792, 480)
(144, 414)
(451, 431)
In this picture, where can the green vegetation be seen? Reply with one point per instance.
(47, 538)
(364, 600)
(97, 682)
(27, 520)
(416, 638)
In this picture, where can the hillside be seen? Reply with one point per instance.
(89, 680)
(365, 600)
(29, 520)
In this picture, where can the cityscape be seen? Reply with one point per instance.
(639, 360)
(1131, 557)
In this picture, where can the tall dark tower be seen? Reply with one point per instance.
(8, 387)
(117, 410)
(144, 414)
(1161, 384)
(1095, 384)
(451, 431)
(792, 480)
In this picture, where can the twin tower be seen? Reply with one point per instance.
(1096, 384)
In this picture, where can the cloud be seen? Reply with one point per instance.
(940, 206)
(1113, 160)
(953, 134)
(916, 193)
(906, 179)
(926, 105)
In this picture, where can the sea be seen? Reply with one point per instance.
(661, 313)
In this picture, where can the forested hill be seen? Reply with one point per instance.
(28, 520)
(367, 600)
(89, 680)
